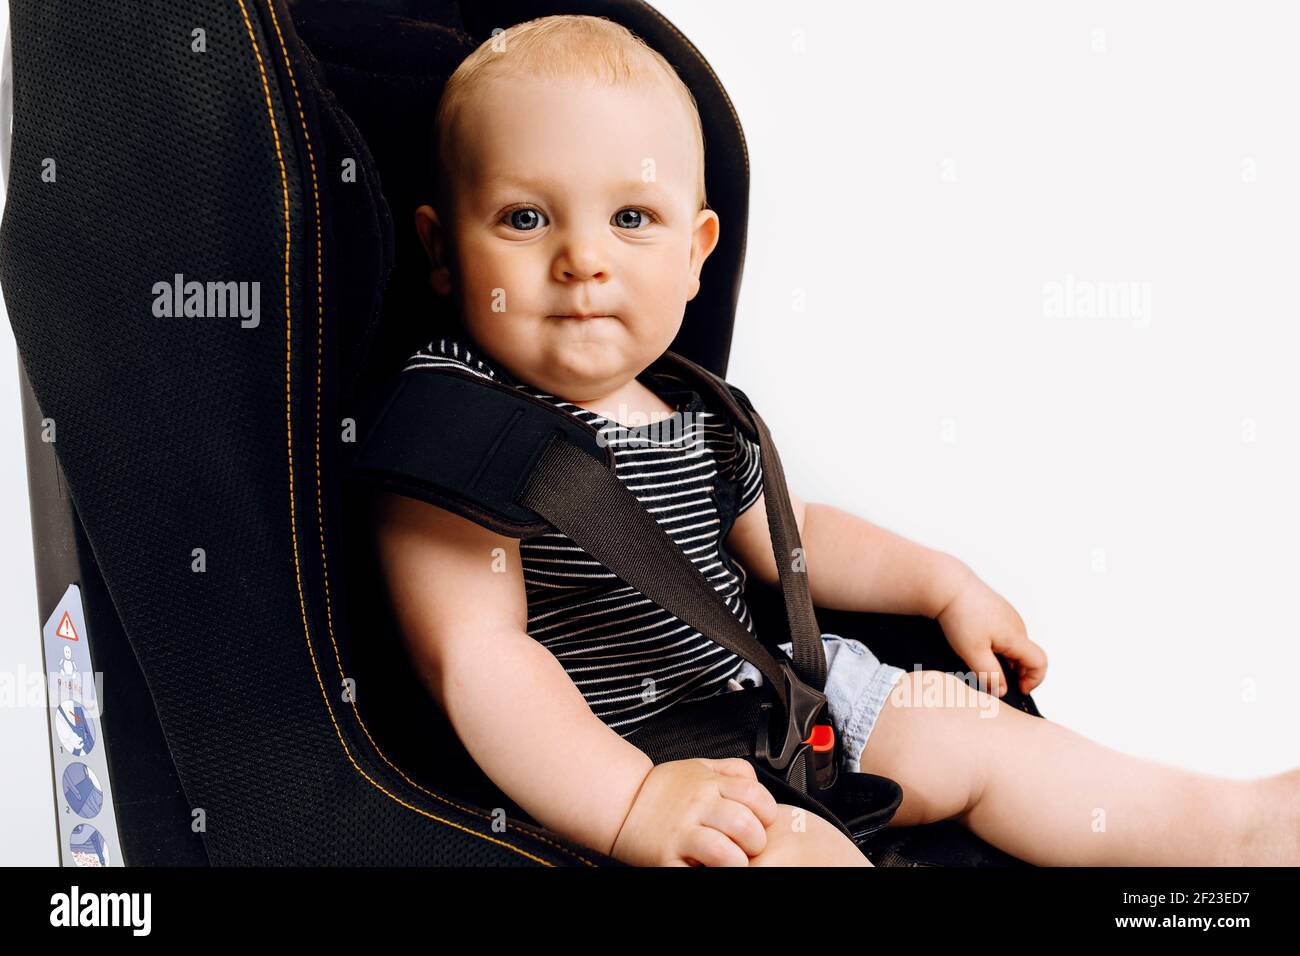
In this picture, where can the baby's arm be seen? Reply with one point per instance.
(852, 564)
(507, 697)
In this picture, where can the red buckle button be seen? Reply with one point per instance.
(822, 739)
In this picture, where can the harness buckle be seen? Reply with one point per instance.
(807, 726)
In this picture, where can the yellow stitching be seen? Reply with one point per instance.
(284, 186)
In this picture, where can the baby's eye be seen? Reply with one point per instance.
(524, 218)
(630, 218)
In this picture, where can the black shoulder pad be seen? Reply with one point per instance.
(465, 444)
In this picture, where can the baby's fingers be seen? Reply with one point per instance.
(752, 794)
(1031, 662)
(705, 846)
(738, 822)
(988, 672)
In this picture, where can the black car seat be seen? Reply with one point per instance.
(186, 470)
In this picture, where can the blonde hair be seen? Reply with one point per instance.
(561, 46)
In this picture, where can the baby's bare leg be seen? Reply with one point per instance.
(802, 838)
(1051, 797)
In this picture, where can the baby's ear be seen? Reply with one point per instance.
(428, 228)
(703, 242)
(433, 239)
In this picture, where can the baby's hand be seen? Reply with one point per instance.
(979, 622)
(697, 812)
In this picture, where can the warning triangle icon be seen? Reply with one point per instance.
(66, 629)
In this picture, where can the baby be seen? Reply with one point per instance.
(570, 230)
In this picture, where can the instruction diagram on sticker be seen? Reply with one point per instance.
(81, 780)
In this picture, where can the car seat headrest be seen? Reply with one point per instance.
(387, 71)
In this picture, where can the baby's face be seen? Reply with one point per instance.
(569, 199)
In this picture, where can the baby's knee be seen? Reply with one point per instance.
(799, 837)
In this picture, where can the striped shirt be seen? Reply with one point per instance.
(695, 473)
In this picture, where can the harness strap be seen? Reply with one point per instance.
(517, 458)
(805, 634)
(588, 502)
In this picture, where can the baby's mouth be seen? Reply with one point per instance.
(581, 316)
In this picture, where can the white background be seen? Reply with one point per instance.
(921, 173)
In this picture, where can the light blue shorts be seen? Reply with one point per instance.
(857, 685)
